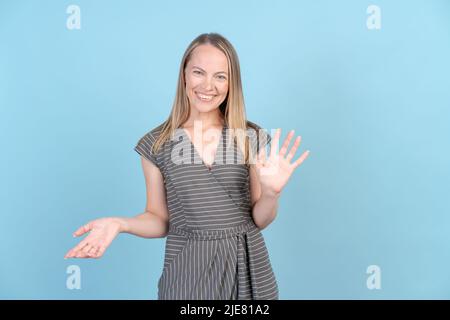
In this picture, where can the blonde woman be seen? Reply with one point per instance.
(211, 187)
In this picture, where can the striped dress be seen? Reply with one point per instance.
(213, 248)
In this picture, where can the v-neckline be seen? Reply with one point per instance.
(219, 145)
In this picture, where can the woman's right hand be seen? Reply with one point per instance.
(102, 233)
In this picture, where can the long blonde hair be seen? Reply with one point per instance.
(232, 108)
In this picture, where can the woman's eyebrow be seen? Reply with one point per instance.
(205, 71)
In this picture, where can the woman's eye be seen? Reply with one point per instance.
(197, 72)
(222, 78)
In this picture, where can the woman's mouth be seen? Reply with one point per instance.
(204, 97)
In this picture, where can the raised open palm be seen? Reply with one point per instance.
(102, 233)
(274, 172)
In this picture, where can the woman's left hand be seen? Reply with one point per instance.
(275, 171)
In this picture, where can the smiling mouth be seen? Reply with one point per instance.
(204, 97)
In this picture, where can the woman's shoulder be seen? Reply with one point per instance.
(149, 138)
(261, 134)
(144, 145)
(253, 125)
(258, 128)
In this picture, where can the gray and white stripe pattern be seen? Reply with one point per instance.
(213, 248)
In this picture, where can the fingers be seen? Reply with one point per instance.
(301, 159)
(93, 251)
(79, 250)
(100, 252)
(284, 148)
(86, 250)
(81, 245)
(286, 143)
(74, 251)
(91, 246)
(81, 254)
(294, 148)
(83, 229)
(97, 252)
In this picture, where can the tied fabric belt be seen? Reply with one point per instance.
(214, 234)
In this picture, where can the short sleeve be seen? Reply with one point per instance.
(259, 138)
(263, 140)
(144, 146)
(266, 138)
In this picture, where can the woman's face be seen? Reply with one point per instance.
(206, 75)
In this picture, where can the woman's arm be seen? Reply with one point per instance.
(146, 225)
(269, 176)
(154, 222)
(264, 204)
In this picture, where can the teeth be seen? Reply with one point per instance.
(204, 97)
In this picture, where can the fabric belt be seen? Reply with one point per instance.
(198, 234)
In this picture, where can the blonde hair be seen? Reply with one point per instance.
(232, 108)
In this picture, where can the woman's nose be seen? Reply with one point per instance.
(208, 84)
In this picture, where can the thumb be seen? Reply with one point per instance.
(83, 229)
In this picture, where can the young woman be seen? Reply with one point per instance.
(210, 186)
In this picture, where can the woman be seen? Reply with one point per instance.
(210, 186)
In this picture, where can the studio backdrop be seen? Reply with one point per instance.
(365, 83)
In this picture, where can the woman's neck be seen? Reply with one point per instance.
(205, 120)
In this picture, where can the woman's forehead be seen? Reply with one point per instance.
(209, 58)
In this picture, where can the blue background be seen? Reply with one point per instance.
(371, 105)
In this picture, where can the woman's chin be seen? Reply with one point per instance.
(205, 107)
